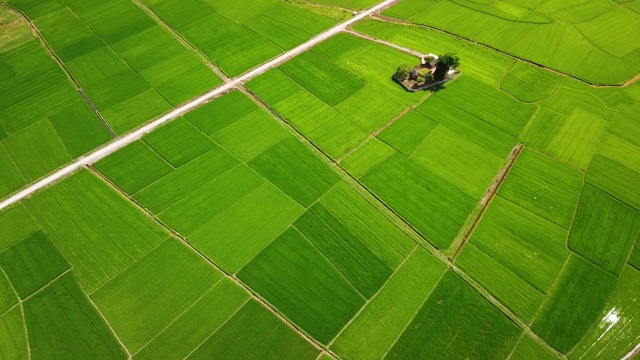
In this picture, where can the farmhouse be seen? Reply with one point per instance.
(432, 70)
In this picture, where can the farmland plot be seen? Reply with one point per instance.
(408, 132)
(375, 329)
(15, 224)
(12, 337)
(614, 179)
(529, 83)
(575, 304)
(604, 230)
(366, 157)
(530, 349)
(8, 297)
(444, 319)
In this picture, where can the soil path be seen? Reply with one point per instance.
(134, 135)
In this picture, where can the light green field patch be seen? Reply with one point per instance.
(250, 135)
(322, 78)
(13, 339)
(543, 129)
(524, 243)
(135, 111)
(616, 332)
(518, 295)
(15, 224)
(576, 142)
(302, 284)
(575, 303)
(381, 235)
(11, 179)
(255, 332)
(146, 297)
(466, 165)
(63, 324)
(198, 322)
(95, 228)
(370, 109)
(620, 151)
(604, 230)
(529, 83)
(185, 180)
(235, 236)
(221, 112)
(200, 206)
(529, 349)
(179, 142)
(615, 179)
(8, 296)
(296, 170)
(32, 263)
(544, 187)
(374, 330)
(407, 132)
(134, 167)
(366, 157)
(37, 150)
(79, 128)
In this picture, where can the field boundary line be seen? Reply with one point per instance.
(136, 134)
(386, 43)
(24, 318)
(104, 319)
(46, 285)
(185, 43)
(395, 271)
(426, 298)
(490, 195)
(52, 54)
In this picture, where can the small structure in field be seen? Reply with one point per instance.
(431, 71)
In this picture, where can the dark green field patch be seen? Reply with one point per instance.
(116, 88)
(32, 263)
(445, 319)
(79, 128)
(346, 251)
(574, 305)
(62, 324)
(8, 296)
(221, 112)
(133, 167)
(615, 179)
(634, 260)
(604, 230)
(544, 187)
(529, 349)
(408, 132)
(10, 178)
(435, 207)
(179, 142)
(255, 332)
(298, 280)
(386, 240)
(322, 78)
(292, 166)
(529, 83)
(15, 224)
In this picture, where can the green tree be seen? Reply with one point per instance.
(403, 72)
(445, 63)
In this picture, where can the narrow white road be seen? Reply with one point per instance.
(128, 138)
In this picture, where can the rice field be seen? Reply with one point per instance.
(317, 210)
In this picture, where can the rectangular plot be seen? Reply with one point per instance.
(96, 66)
(298, 17)
(8, 296)
(621, 151)
(370, 108)
(133, 167)
(322, 78)
(526, 244)
(255, 332)
(578, 138)
(15, 224)
(366, 157)
(464, 164)
(63, 324)
(436, 208)
(293, 276)
(363, 268)
(615, 179)
(37, 150)
(95, 227)
(116, 88)
(79, 128)
(520, 297)
(531, 349)
(13, 339)
(544, 187)
(577, 300)
(179, 142)
(186, 179)
(376, 328)
(543, 129)
(387, 241)
(251, 135)
(234, 237)
(283, 35)
(192, 327)
(135, 111)
(221, 112)
(32, 263)
(297, 171)
(408, 132)
(140, 301)
(444, 319)
(187, 85)
(10, 179)
(604, 230)
(200, 206)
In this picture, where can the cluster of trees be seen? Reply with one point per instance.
(445, 63)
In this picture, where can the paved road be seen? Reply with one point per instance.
(130, 137)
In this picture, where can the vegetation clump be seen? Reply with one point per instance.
(432, 70)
